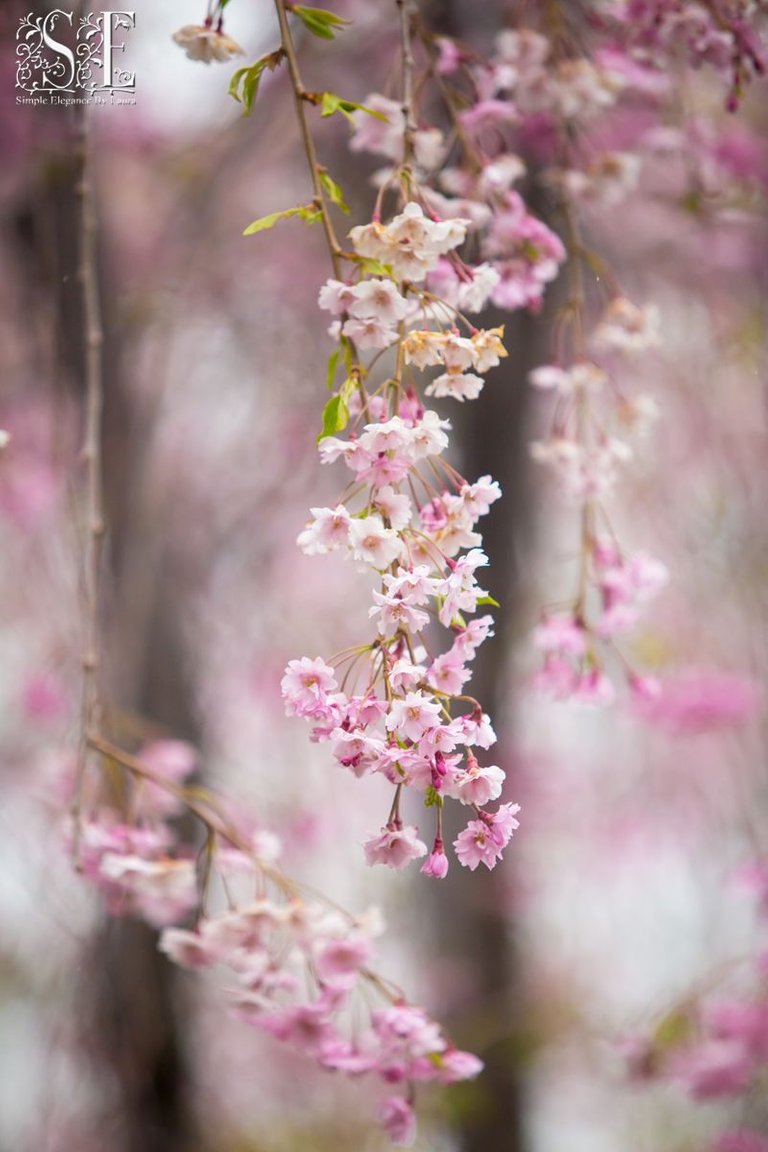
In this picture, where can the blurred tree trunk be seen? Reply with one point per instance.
(475, 925)
(132, 1022)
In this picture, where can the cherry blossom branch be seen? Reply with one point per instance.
(205, 806)
(300, 95)
(90, 712)
(406, 13)
(275, 948)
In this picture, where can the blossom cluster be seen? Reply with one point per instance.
(519, 254)
(593, 414)
(530, 84)
(298, 968)
(706, 32)
(301, 975)
(716, 1048)
(413, 523)
(134, 862)
(586, 448)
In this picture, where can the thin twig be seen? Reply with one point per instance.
(334, 248)
(576, 308)
(406, 15)
(93, 339)
(205, 806)
(299, 95)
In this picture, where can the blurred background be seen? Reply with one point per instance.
(623, 896)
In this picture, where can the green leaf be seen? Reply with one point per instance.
(306, 212)
(266, 222)
(335, 417)
(432, 797)
(348, 389)
(244, 84)
(333, 361)
(349, 359)
(335, 194)
(331, 103)
(352, 382)
(319, 21)
(372, 267)
(674, 1029)
(488, 600)
(309, 213)
(237, 76)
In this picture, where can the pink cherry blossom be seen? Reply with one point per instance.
(448, 673)
(398, 1120)
(162, 890)
(188, 949)
(357, 751)
(412, 716)
(374, 544)
(561, 633)
(477, 785)
(306, 684)
(703, 701)
(459, 386)
(483, 841)
(44, 698)
(714, 1068)
(479, 496)
(429, 438)
(456, 1065)
(379, 298)
(336, 296)
(393, 506)
(395, 847)
(741, 1140)
(307, 1027)
(328, 530)
(171, 760)
(339, 961)
(436, 863)
(369, 332)
(393, 612)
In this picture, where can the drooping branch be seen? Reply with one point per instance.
(406, 15)
(94, 527)
(300, 100)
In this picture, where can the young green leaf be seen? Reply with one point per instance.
(330, 103)
(335, 194)
(349, 356)
(482, 600)
(319, 21)
(335, 417)
(673, 1030)
(307, 212)
(333, 361)
(348, 389)
(234, 83)
(244, 84)
(432, 797)
(372, 267)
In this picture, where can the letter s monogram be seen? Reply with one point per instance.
(59, 49)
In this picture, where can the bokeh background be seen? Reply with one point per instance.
(623, 895)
